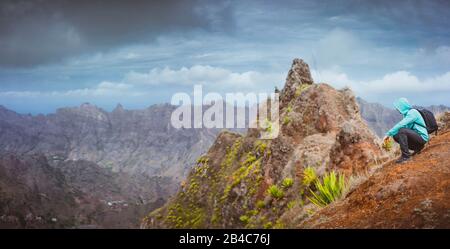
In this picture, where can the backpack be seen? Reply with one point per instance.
(430, 120)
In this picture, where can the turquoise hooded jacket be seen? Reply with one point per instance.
(411, 119)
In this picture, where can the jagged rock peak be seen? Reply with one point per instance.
(86, 110)
(119, 108)
(299, 72)
(298, 75)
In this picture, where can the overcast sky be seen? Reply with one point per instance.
(138, 53)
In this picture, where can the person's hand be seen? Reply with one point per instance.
(387, 145)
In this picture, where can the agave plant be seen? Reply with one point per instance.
(331, 188)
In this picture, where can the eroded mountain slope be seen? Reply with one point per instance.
(411, 195)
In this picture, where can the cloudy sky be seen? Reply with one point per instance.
(138, 53)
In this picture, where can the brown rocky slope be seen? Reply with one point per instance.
(411, 195)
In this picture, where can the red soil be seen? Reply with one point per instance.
(415, 194)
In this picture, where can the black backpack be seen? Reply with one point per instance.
(430, 120)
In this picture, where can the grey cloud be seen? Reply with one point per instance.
(404, 15)
(43, 31)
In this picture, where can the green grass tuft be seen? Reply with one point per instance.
(275, 192)
(300, 89)
(244, 218)
(291, 204)
(289, 108)
(268, 225)
(260, 204)
(309, 176)
(268, 125)
(287, 182)
(286, 120)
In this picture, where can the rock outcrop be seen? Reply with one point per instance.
(444, 121)
(321, 127)
(298, 74)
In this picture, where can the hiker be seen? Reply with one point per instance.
(410, 133)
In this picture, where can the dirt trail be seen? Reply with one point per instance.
(411, 195)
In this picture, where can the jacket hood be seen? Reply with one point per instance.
(402, 105)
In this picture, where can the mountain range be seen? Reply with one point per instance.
(123, 156)
(86, 167)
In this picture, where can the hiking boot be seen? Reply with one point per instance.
(403, 159)
(416, 152)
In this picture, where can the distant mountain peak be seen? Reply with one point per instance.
(118, 108)
(90, 107)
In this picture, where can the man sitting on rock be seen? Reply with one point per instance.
(410, 133)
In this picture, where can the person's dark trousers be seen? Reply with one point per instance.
(409, 140)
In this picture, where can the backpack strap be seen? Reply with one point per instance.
(420, 125)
